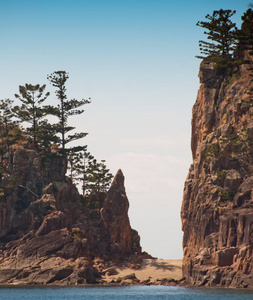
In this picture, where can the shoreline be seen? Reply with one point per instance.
(151, 271)
(147, 272)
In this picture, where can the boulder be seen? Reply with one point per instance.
(54, 221)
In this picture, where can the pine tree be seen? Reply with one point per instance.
(47, 137)
(65, 109)
(31, 110)
(246, 32)
(79, 162)
(9, 129)
(223, 35)
(9, 134)
(7, 125)
(246, 40)
(98, 177)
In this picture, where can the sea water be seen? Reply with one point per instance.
(122, 293)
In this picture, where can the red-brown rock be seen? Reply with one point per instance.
(64, 237)
(114, 214)
(217, 208)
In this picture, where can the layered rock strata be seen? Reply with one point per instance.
(217, 208)
(50, 236)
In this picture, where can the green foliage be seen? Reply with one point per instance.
(225, 195)
(8, 127)
(85, 169)
(246, 32)
(49, 140)
(213, 150)
(98, 177)
(94, 202)
(221, 177)
(77, 234)
(79, 162)
(222, 33)
(246, 39)
(47, 137)
(9, 134)
(31, 110)
(7, 184)
(233, 78)
(65, 109)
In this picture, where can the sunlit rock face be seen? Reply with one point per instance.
(217, 208)
(48, 232)
(122, 239)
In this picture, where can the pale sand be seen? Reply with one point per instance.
(150, 269)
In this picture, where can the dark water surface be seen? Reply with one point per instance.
(130, 292)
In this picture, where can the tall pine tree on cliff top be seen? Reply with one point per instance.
(9, 131)
(64, 109)
(7, 126)
(9, 134)
(222, 33)
(246, 32)
(31, 110)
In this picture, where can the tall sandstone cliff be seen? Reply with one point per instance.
(217, 208)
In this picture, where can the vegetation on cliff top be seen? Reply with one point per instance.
(228, 156)
(49, 138)
(225, 40)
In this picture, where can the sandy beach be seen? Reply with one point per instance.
(149, 271)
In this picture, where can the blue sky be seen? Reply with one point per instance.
(136, 60)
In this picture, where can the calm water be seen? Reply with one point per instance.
(131, 292)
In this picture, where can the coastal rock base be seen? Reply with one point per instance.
(58, 238)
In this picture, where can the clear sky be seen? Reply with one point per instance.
(136, 60)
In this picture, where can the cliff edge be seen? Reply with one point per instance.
(217, 208)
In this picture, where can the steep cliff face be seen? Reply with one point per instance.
(48, 234)
(217, 208)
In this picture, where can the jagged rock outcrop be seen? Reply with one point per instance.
(122, 239)
(217, 208)
(48, 233)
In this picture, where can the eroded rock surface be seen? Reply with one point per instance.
(122, 238)
(48, 233)
(217, 208)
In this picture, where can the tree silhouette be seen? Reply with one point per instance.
(246, 32)
(222, 33)
(65, 109)
(31, 110)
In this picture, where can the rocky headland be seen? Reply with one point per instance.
(48, 234)
(217, 208)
